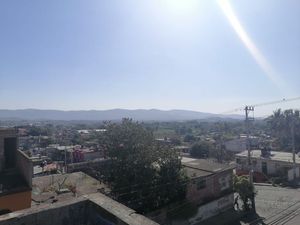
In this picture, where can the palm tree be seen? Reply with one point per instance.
(280, 124)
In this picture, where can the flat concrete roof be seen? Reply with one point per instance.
(98, 203)
(194, 173)
(87, 191)
(276, 156)
(45, 188)
(202, 167)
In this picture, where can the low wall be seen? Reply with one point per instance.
(82, 166)
(109, 212)
(95, 209)
(16, 201)
(58, 214)
(189, 213)
(291, 173)
(212, 208)
(25, 167)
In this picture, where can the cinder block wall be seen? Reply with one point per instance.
(25, 167)
(86, 210)
(58, 214)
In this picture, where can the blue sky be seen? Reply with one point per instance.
(166, 54)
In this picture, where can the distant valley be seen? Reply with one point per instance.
(113, 114)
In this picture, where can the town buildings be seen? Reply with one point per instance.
(269, 163)
(71, 198)
(209, 191)
(208, 180)
(238, 144)
(72, 154)
(15, 173)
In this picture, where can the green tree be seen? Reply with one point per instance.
(245, 189)
(143, 174)
(201, 149)
(189, 138)
(281, 124)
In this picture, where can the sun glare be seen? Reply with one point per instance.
(180, 7)
(249, 44)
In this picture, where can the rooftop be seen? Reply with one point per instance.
(47, 168)
(62, 187)
(276, 156)
(89, 209)
(193, 173)
(85, 205)
(202, 167)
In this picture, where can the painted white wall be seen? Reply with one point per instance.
(212, 208)
(291, 174)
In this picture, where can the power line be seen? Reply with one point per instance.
(263, 104)
(250, 108)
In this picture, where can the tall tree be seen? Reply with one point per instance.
(284, 124)
(143, 174)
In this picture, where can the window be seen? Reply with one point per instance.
(224, 183)
(238, 161)
(201, 183)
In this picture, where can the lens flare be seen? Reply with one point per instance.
(249, 44)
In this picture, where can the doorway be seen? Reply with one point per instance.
(264, 168)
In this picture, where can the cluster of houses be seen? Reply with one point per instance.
(209, 188)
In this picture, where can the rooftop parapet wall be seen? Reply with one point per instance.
(123, 214)
(87, 210)
(25, 167)
(71, 212)
(8, 132)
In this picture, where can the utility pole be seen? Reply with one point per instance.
(247, 122)
(293, 147)
(248, 146)
(65, 159)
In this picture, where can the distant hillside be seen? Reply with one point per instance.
(113, 114)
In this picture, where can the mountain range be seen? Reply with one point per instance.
(113, 114)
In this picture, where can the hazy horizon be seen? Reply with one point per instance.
(208, 56)
(233, 112)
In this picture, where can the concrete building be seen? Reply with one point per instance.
(184, 150)
(239, 144)
(209, 192)
(15, 173)
(208, 180)
(270, 163)
(85, 154)
(73, 199)
(72, 154)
